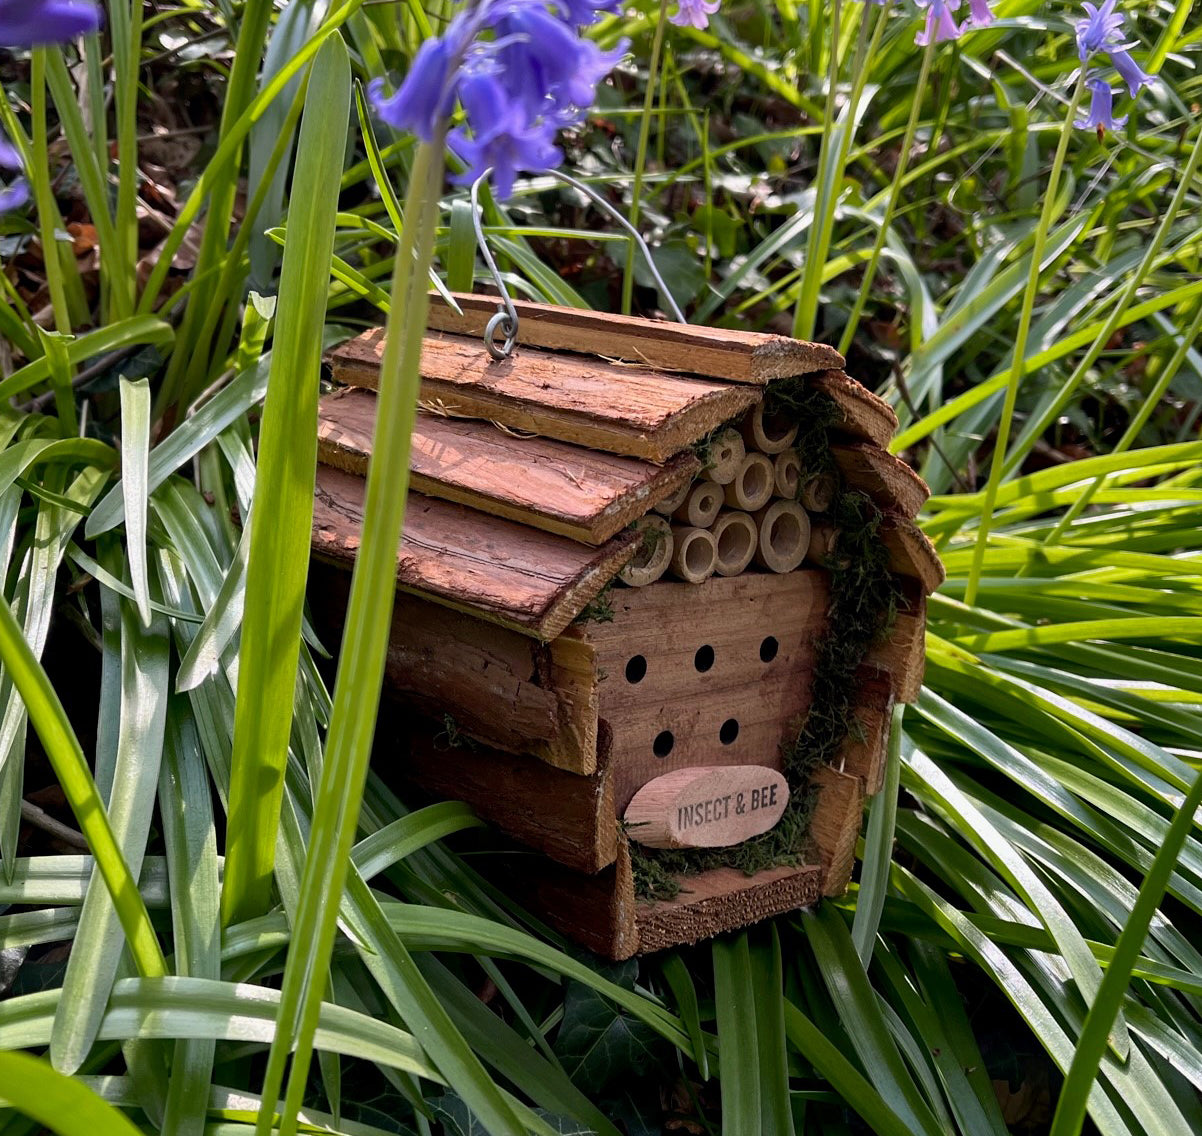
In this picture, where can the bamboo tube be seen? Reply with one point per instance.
(753, 484)
(701, 506)
(736, 536)
(824, 546)
(784, 531)
(694, 554)
(669, 505)
(768, 433)
(818, 492)
(726, 453)
(651, 561)
(786, 473)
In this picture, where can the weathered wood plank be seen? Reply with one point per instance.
(903, 654)
(531, 581)
(865, 416)
(836, 826)
(863, 751)
(496, 686)
(716, 669)
(634, 411)
(579, 493)
(739, 356)
(563, 815)
(911, 553)
(892, 484)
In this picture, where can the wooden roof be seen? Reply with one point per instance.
(527, 472)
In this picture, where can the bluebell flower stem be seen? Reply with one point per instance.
(1018, 368)
(899, 177)
(640, 157)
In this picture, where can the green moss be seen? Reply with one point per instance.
(864, 597)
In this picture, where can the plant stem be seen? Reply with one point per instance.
(1018, 367)
(39, 173)
(640, 157)
(899, 175)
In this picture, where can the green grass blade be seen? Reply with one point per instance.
(767, 983)
(61, 1103)
(277, 568)
(738, 1046)
(677, 975)
(135, 450)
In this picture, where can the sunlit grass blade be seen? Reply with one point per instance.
(61, 1103)
(135, 449)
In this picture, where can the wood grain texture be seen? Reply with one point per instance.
(892, 484)
(579, 493)
(739, 356)
(836, 826)
(721, 625)
(911, 554)
(863, 752)
(903, 653)
(634, 411)
(563, 815)
(865, 416)
(531, 581)
(724, 900)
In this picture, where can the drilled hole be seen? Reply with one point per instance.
(704, 659)
(729, 731)
(768, 649)
(636, 669)
(664, 741)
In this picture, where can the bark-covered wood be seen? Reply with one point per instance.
(720, 353)
(532, 581)
(635, 411)
(864, 415)
(911, 554)
(583, 494)
(892, 484)
(903, 653)
(836, 826)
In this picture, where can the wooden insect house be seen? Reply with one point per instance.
(659, 589)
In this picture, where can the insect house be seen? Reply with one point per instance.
(659, 589)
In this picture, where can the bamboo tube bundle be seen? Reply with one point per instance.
(736, 537)
(701, 505)
(726, 453)
(654, 555)
(767, 433)
(694, 554)
(784, 536)
(753, 483)
(818, 492)
(786, 474)
(669, 505)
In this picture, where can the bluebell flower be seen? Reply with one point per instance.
(1101, 109)
(940, 24)
(1129, 71)
(25, 23)
(1100, 30)
(694, 13)
(15, 193)
(520, 69)
(980, 14)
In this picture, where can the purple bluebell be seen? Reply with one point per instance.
(1100, 30)
(694, 13)
(26, 23)
(1129, 71)
(980, 15)
(940, 24)
(1101, 109)
(426, 95)
(16, 192)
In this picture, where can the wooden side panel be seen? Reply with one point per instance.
(498, 686)
(911, 554)
(724, 900)
(706, 674)
(903, 654)
(563, 815)
(623, 410)
(892, 484)
(865, 416)
(741, 356)
(836, 826)
(583, 494)
(531, 581)
(864, 751)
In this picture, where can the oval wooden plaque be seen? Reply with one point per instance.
(713, 806)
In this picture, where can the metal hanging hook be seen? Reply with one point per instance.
(505, 320)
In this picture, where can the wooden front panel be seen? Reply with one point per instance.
(706, 674)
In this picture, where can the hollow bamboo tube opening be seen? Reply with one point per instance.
(824, 546)
(694, 554)
(736, 536)
(669, 505)
(770, 433)
(786, 473)
(726, 453)
(753, 484)
(784, 531)
(654, 555)
(701, 505)
(818, 493)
